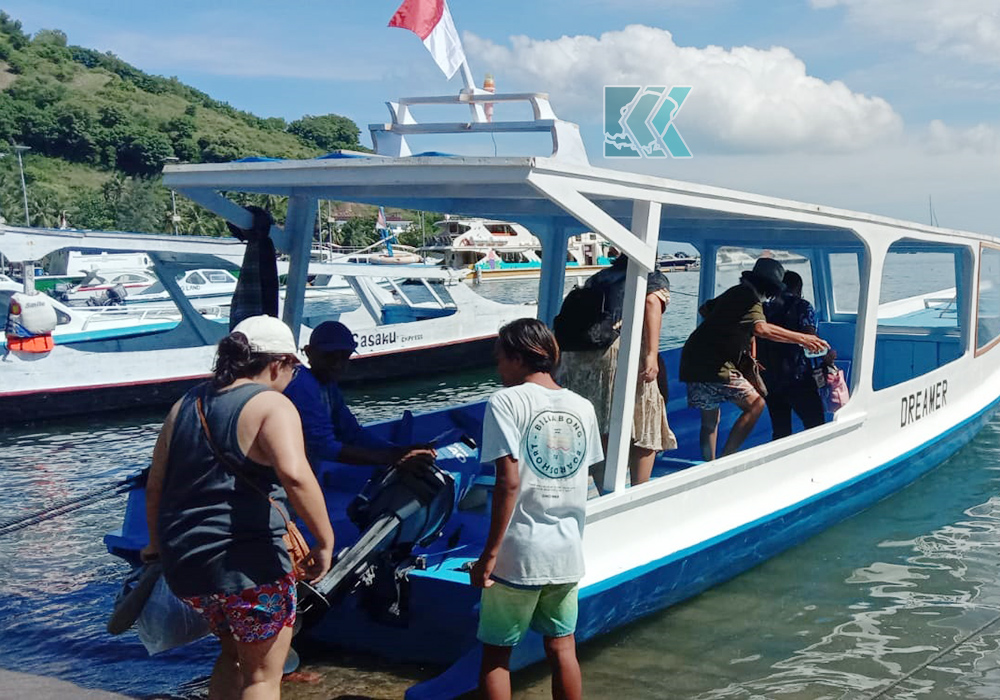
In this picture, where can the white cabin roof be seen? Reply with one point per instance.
(526, 190)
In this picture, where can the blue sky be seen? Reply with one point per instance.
(864, 104)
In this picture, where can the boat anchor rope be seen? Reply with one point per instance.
(944, 652)
(134, 481)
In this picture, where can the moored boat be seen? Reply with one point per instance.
(923, 369)
(677, 262)
(438, 325)
(493, 249)
(77, 324)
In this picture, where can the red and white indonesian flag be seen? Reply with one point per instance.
(431, 21)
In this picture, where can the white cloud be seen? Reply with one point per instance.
(968, 29)
(892, 180)
(982, 139)
(743, 99)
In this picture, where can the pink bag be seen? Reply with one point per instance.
(834, 394)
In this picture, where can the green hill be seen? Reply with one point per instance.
(100, 131)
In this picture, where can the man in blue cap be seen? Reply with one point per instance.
(332, 433)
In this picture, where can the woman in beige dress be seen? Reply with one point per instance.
(591, 373)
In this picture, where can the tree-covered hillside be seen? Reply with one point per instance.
(100, 130)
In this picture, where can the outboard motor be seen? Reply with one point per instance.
(397, 510)
(113, 296)
(117, 294)
(61, 291)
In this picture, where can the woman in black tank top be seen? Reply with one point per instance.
(225, 448)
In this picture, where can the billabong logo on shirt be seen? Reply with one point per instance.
(555, 444)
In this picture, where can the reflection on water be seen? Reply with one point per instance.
(840, 616)
(813, 623)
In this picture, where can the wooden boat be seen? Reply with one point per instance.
(924, 376)
(142, 364)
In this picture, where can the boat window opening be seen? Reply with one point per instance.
(500, 230)
(920, 323)
(219, 277)
(732, 262)
(154, 289)
(988, 305)
(845, 276)
(195, 278)
(428, 291)
(680, 319)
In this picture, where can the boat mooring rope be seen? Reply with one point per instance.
(105, 492)
(944, 652)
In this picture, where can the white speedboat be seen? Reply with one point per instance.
(924, 376)
(209, 287)
(505, 249)
(676, 262)
(206, 286)
(96, 285)
(415, 321)
(78, 325)
(732, 258)
(783, 256)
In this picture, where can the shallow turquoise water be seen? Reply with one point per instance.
(840, 616)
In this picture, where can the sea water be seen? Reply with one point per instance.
(912, 580)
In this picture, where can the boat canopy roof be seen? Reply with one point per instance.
(543, 193)
(20, 243)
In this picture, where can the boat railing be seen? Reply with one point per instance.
(392, 139)
(946, 305)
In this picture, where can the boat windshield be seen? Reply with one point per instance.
(924, 286)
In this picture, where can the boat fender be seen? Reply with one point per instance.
(29, 316)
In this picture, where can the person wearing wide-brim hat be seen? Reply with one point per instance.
(714, 352)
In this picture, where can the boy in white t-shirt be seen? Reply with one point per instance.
(542, 438)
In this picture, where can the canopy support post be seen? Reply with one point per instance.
(706, 281)
(232, 212)
(298, 229)
(645, 227)
(866, 333)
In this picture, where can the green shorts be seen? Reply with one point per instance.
(506, 612)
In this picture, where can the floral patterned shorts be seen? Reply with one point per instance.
(708, 396)
(253, 615)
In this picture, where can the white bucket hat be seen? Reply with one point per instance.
(266, 334)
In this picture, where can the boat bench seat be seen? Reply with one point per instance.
(901, 356)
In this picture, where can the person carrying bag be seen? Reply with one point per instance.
(229, 455)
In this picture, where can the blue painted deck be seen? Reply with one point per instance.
(439, 625)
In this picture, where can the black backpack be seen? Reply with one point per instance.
(585, 322)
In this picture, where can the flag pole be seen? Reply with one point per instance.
(470, 82)
(478, 113)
